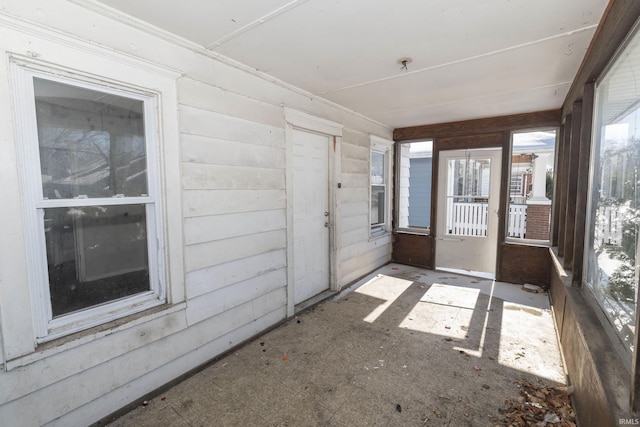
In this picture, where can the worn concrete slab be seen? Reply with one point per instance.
(404, 347)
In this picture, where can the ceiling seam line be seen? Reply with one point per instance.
(459, 61)
(256, 23)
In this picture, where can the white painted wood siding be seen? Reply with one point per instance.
(232, 183)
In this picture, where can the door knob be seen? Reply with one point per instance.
(326, 224)
(326, 213)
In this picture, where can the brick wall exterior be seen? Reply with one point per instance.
(538, 219)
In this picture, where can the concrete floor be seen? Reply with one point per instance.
(404, 347)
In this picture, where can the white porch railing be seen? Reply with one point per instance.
(467, 219)
(517, 223)
(470, 219)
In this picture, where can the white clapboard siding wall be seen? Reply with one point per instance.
(359, 254)
(232, 147)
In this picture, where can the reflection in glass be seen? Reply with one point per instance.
(95, 254)
(92, 143)
(378, 188)
(611, 264)
(414, 192)
(377, 204)
(467, 197)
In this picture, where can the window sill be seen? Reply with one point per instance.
(77, 339)
(413, 231)
(528, 242)
(379, 235)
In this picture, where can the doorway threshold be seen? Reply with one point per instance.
(317, 299)
(480, 274)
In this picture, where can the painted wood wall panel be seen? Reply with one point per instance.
(213, 303)
(210, 279)
(355, 180)
(195, 121)
(203, 229)
(209, 254)
(205, 96)
(349, 209)
(203, 149)
(356, 222)
(201, 176)
(360, 166)
(218, 202)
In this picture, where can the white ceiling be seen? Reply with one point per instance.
(471, 58)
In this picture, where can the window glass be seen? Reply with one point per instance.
(467, 197)
(611, 272)
(92, 146)
(91, 143)
(414, 184)
(95, 254)
(378, 188)
(531, 184)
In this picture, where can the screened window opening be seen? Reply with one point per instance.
(414, 185)
(611, 249)
(531, 184)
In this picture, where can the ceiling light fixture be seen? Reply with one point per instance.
(404, 62)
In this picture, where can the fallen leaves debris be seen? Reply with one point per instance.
(539, 405)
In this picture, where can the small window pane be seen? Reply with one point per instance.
(377, 204)
(377, 168)
(95, 255)
(414, 191)
(92, 144)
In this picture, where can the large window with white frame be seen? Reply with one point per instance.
(380, 184)
(612, 246)
(92, 202)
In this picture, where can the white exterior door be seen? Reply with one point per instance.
(310, 214)
(467, 213)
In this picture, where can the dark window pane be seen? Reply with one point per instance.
(377, 204)
(95, 255)
(91, 143)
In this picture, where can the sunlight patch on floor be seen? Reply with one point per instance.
(524, 335)
(443, 310)
(385, 288)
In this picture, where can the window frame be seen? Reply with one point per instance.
(384, 147)
(46, 326)
(398, 160)
(524, 240)
(628, 356)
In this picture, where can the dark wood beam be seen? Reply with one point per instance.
(572, 185)
(563, 177)
(618, 19)
(477, 126)
(582, 190)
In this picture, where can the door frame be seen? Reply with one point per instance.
(295, 119)
(495, 195)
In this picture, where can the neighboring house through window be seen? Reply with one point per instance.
(414, 186)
